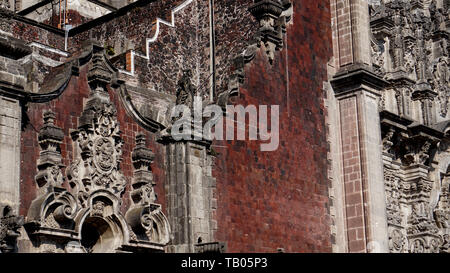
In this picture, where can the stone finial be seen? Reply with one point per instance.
(50, 134)
(145, 218)
(142, 158)
(99, 74)
(50, 160)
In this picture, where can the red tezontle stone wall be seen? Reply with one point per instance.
(270, 200)
(265, 200)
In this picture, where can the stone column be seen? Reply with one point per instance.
(10, 126)
(190, 194)
(357, 93)
(350, 20)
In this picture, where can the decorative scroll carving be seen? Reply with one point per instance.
(411, 46)
(9, 229)
(54, 207)
(96, 181)
(145, 218)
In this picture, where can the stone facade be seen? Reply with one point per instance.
(400, 64)
(88, 162)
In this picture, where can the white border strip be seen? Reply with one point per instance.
(48, 48)
(153, 39)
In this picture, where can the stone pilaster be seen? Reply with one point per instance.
(190, 193)
(350, 19)
(357, 95)
(362, 170)
(10, 126)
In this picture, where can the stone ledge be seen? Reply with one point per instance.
(352, 78)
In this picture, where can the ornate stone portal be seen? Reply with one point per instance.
(410, 50)
(87, 218)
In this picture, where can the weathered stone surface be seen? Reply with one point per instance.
(408, 51)
(362, 91)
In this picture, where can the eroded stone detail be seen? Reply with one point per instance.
(411, 49)
(145, 218)
(273, 17)
(416, 223)
(96, 183)
(9, 228)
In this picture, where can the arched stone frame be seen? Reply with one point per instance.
(110, 215)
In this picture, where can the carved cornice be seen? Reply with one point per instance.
(354, 78)
(215, 247)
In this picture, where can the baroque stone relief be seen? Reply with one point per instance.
(416, 223)
(410, 49)
(92, 205)
(145, 218)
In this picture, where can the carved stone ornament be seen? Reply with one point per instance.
(272, 23)
(397, 241)
(416, 198)
(410, 45)
(87, 217)
(9, 229)
(4, 4)
(146, 219)
(99, 148)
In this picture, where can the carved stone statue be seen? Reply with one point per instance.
(398, 44)
(387, 141)
(186, 90)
